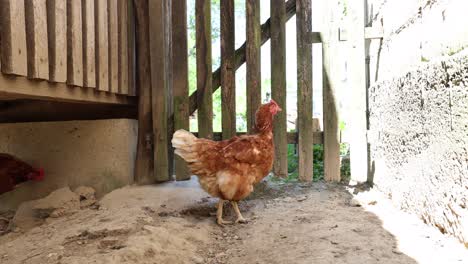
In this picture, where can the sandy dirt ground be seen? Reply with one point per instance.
(174, 223)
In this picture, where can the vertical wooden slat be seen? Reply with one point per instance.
(159, 54)
(204, 76)
(13, 53)
(57, 35)
(89, 44)
(102, 42)
(144, 166)
(123, 46)
(358, 127)
(304, 90)
(331, 136)
(74, 43)
(36, 39)
(113, 46)
(253, 61)
(180, 77)
(228, 71)
(131, 49)
(170, 91)
(278, 84)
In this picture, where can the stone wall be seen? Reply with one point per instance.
(419, 146)
(99, 154)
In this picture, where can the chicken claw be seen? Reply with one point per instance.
(219, 214)
(240, 218)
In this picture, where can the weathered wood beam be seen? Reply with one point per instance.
(292, 137)
(21, 87)
(180, 78)
(44, 111)
(144, 166)
(278, 85)
(304, 90)
(204, 95)
(13, 38)
(240, 54)
(74, 43)
(253, 61)
(36, 39)
(331, 137)
(357, 61)
(159, 20)
(228, 73)
(57, 35)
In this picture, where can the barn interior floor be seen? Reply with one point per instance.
(173, 223)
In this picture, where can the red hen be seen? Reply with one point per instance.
(13, 171)
(229, 169)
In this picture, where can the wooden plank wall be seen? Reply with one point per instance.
(278, 84)
(84, 43)
(89, 43)
(57, 28)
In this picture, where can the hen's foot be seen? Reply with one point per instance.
(242, 220)
(223, 222)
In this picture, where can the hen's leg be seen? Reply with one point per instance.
(219, 214)
(240, 218)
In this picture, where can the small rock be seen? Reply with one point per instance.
(283, 236)
(354, 203)
(372, 203)
(224, 234)
(237, 238)
(220, 255)
(198, 260)
(87, 196)
(300, 199)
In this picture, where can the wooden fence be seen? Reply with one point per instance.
(165, 104)
(83, 49)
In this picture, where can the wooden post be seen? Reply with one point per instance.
(57, 36)
(89, 44)
(131, 50)
(13, 38)
(74, 43)
(123, 46)
(36, 38)
(228, 72)
(358, 126)
(278, 85)
(204, 76)
(159, 53)
(144, 167)
(113, 45)
(180, 78)
(331, 137)
(102, 42)
(253, 61)
(304, 90)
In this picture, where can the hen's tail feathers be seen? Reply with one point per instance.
(184, 144)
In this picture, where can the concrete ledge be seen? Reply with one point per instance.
(99, 154)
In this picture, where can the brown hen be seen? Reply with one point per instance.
(229, 169)
(14, 171)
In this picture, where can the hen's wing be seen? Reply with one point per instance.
(247, 149)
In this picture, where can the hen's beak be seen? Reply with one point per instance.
(278, 108)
